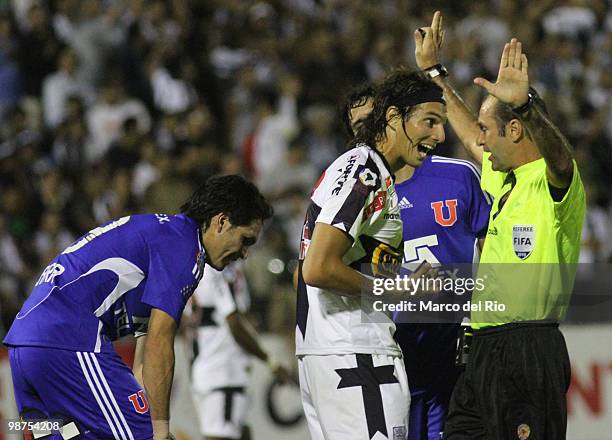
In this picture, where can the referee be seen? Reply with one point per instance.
(518, 371)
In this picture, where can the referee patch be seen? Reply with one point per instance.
(523, 240)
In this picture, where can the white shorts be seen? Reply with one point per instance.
(222, 412)
(355, 396)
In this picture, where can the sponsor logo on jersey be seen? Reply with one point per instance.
(439, 214)
(380, 199)
(492, 231)
(523, 240)
(367, 177)
(405, 203)
(389, 216)
(344, 174)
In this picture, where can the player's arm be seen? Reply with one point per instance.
(428, 41)
(512, 88)
(139, 359)
(553, 146)
(158, 369)
(323, 266)
(246, 337)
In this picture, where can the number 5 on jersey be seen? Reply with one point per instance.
(418, 250)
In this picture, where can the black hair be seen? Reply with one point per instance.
(398, 89)
(231, 195)
(354, 98)
(504, 113)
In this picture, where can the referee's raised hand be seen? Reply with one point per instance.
(512, 85)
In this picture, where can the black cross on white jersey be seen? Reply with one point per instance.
(369, 378)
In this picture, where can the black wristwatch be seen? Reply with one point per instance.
(522, 109)
(436, 70)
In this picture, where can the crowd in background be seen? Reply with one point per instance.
(109, 108)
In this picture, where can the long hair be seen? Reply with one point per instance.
(398, 89)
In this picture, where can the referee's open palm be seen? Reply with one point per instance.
(512, 85)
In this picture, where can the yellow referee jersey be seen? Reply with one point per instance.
(528, 263)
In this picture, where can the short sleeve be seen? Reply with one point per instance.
(574, 201)
(344, 205)
(170, 279)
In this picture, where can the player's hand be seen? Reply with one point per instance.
(512, 85)
(427, 43)
(425, 272)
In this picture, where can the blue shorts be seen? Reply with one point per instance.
(429, 356)
(95, 393)
(428, 412)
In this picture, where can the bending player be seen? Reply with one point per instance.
(225, 345)
(352, 376)
(130, 276)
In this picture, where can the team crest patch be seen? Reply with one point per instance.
(367, 177)
(523, 240)
(399, 433)
(523, 431)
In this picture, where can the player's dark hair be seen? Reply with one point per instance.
(404, 89)
(504, 114)
(231, 195)
(354, 98)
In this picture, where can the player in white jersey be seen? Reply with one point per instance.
(352, 376)
(224, 348)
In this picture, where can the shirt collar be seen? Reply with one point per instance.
(527, 168)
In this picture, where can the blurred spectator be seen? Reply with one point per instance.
(321, 135)
(10, 80)
(125, 151)
(106, 117)
(52, 237)
(68, 147)
(38, 49)
(61, 85)
(93, 33)
(171, 93)
(276, 127)
(150, 168)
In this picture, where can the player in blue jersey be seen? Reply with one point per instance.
(130, 276)
(444, 213)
